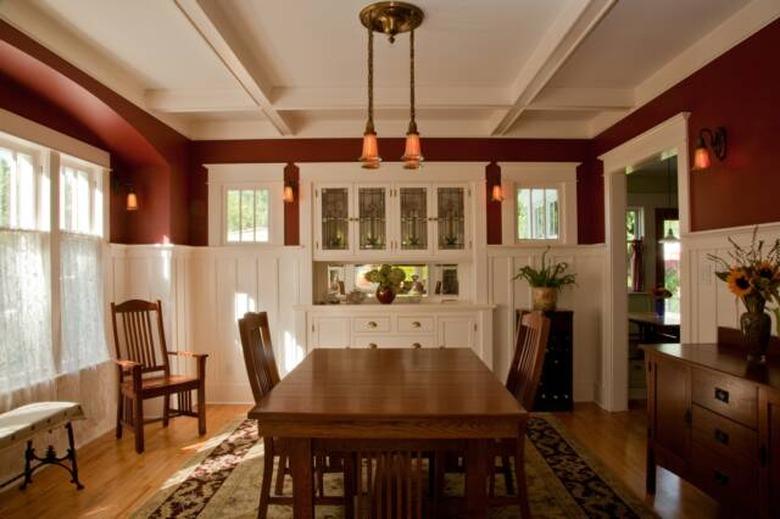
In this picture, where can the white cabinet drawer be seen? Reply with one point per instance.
(410, 324)
(384, 341)
(370, 324)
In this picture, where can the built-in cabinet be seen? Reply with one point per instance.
(364, 220)
(714, 419)
(401, 326)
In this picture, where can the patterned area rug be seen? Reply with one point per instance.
(223, 481)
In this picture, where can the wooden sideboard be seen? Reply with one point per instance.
(714, 420)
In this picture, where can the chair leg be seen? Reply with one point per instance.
(506, 468)
(138, 403)
(280, 473)
(268, 473)
(320, 467)
(522, 487)
(120, 410)
(350, 481)
(201, 409)
(166, 410)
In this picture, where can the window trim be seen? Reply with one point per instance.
(273, 235)
(97, 178)
(558, 186)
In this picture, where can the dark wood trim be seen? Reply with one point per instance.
(292, 209)
(492, 208)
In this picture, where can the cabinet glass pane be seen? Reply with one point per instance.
(372, 218)
(451, 218)
(414, 218)
(335, 218)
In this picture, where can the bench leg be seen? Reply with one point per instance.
(29, 456)
(74, 468)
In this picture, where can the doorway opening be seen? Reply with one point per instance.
(652, 262)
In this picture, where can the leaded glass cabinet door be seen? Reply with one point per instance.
(371, 209)
(451, 228)
(334, 224)
(414, 219)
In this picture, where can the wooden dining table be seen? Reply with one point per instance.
(440, 394)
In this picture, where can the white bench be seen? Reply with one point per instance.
(23, 423)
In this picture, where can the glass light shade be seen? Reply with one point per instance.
(370, 157)
(289, 195)
(132, 201)
(412, 153)
(701, 157)
(497, 193)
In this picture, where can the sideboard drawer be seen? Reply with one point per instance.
(723, 479)
(726, 395)
(371, 324)
(723, 437)
(409, 324)
(393, 341)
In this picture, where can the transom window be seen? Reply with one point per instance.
(81, 201)
(21, 203)
(538, 213)
(248, 215)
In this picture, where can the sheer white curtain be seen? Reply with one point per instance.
(26, 356)
(81, 296)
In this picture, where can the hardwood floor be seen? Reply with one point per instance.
(118, 480)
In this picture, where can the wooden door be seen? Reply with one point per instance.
(672, 412)
(769, 450)
(456, 331)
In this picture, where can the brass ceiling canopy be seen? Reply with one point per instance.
(391, 18)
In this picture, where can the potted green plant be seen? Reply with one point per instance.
(546, 281)
(388, 280)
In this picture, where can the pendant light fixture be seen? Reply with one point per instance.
(412, 153)
(370, 157)
(670, 236)
(390, 18)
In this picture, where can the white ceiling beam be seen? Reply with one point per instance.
(584, 99)
(564, 36)
(210, 22)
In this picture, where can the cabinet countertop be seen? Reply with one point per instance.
(372, 308)
(728, 360)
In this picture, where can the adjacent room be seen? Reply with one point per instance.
(386, 260)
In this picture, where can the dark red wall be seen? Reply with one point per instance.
(739, 91)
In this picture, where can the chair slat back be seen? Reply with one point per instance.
(390, 484)
(526, 368)
(134, 324)
(258, 353)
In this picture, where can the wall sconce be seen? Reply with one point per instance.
(132, 199)
(497, 193)
(709, 140)
(289, 192)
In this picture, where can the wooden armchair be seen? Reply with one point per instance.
(144, 370)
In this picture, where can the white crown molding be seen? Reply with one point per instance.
(744, 23)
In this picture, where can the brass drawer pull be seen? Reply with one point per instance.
(372, 345)
(416, 324)
(372, 324)
(721, 437)
(722, 395)
(416, 345)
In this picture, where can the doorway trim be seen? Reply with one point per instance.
(671, 135)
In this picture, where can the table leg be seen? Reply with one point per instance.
(476, 478)
(303, 478)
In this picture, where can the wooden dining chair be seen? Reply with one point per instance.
(144, 370)
(522, 381)
(261, 368)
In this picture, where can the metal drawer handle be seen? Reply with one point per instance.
(416, 345)
(416, 324)
(722, 395)
(372, 324)
(372, 345)
(721, 437)
(721, 478)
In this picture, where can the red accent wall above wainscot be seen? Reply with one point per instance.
(740, 90)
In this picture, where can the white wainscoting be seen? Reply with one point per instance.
(710, 303)
(585, 300)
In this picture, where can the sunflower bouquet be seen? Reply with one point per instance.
(753, 276)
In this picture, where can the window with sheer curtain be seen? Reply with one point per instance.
(36, 290)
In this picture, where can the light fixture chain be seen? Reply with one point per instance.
(411, 78)
(370, 125)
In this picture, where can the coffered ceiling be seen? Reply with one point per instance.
(296, 68)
